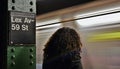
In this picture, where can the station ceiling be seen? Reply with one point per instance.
(45, 6)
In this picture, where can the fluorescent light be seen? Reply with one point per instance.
(99, 20)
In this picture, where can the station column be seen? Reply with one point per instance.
(17, 34)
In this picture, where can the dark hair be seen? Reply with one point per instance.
(63, 40)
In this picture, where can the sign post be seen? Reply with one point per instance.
(17, 34)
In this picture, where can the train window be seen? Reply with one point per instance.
(48, 25)
(46, 22)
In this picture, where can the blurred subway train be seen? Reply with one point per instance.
(98, 26)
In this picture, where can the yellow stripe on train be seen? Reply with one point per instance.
(105, 37)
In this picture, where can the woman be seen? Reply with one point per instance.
(62, 51)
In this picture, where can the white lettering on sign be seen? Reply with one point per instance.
(16, 20)
(15, 27)
(19, 23)
(25, 27)
(28, 20)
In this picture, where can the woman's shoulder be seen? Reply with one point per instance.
(76, 64)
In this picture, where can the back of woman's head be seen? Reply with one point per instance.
(63, 40)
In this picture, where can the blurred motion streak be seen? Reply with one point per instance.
(105, 37)
(100, 20)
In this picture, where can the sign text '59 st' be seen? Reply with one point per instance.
(21, 23)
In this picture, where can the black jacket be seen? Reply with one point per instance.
(69, 60)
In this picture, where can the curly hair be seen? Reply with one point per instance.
(62, 41)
